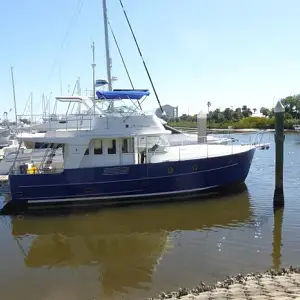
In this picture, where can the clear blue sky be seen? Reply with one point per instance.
(229, 52)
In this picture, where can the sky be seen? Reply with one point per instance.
(228, 52)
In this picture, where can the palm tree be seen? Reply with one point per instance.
(208, 106)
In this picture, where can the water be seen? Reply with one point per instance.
(136, 252)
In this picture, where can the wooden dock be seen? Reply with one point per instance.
(283, 284)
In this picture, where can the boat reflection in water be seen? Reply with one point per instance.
(123, 245)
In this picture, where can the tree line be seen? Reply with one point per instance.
(244, 117)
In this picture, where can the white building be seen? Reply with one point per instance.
(258, 114)
(171, 112)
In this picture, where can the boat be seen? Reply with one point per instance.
(122, 157)
(107, 165)
(297, 128)
(4, 136)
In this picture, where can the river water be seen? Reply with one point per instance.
(136, 252)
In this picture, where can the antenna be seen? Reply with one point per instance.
(14, 93)
(93, 67)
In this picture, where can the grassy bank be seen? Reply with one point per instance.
(244, 123)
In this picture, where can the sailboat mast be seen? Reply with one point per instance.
(14, 94)
(31, 108)
(94, 84)
(108, 60)
(79, 94)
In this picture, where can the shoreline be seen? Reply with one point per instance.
(249, 130)
(284, 283)
(243, 130)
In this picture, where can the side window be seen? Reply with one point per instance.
(112, 149)
(124, 146)
(127, 145)
(98, 149)
(87, 151)
(130, 145)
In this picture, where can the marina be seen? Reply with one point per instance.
(112, 188)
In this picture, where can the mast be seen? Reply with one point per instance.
(31, 108)
(94, 87)
(60, 80)
(108, 59)
(79, 94)
(14, 94)
(44, 106)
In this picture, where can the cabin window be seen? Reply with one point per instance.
(112, 149)
(98, 147)
(127, 145)
(29, 145)
(87, 151)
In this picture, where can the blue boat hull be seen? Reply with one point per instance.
(132, 182)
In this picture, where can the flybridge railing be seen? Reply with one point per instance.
(76, 121)
(55, 122)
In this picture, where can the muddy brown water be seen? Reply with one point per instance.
(135, 252)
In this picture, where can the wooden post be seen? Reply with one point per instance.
(279, 141)
(201, 127)
(277, 238)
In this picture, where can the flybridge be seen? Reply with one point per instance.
(122, 94)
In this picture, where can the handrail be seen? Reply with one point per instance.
(13, 165)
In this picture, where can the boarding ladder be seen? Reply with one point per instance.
(48, 158)
(12, 168)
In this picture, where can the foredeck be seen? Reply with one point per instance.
(198, 151)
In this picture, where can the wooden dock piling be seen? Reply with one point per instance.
(201, 127)
(279, 142)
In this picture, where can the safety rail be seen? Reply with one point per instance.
(196, 150)
(78, 121)
(56, 122)
(41, 159)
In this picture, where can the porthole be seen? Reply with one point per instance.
(195, 167)
(170, 170)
